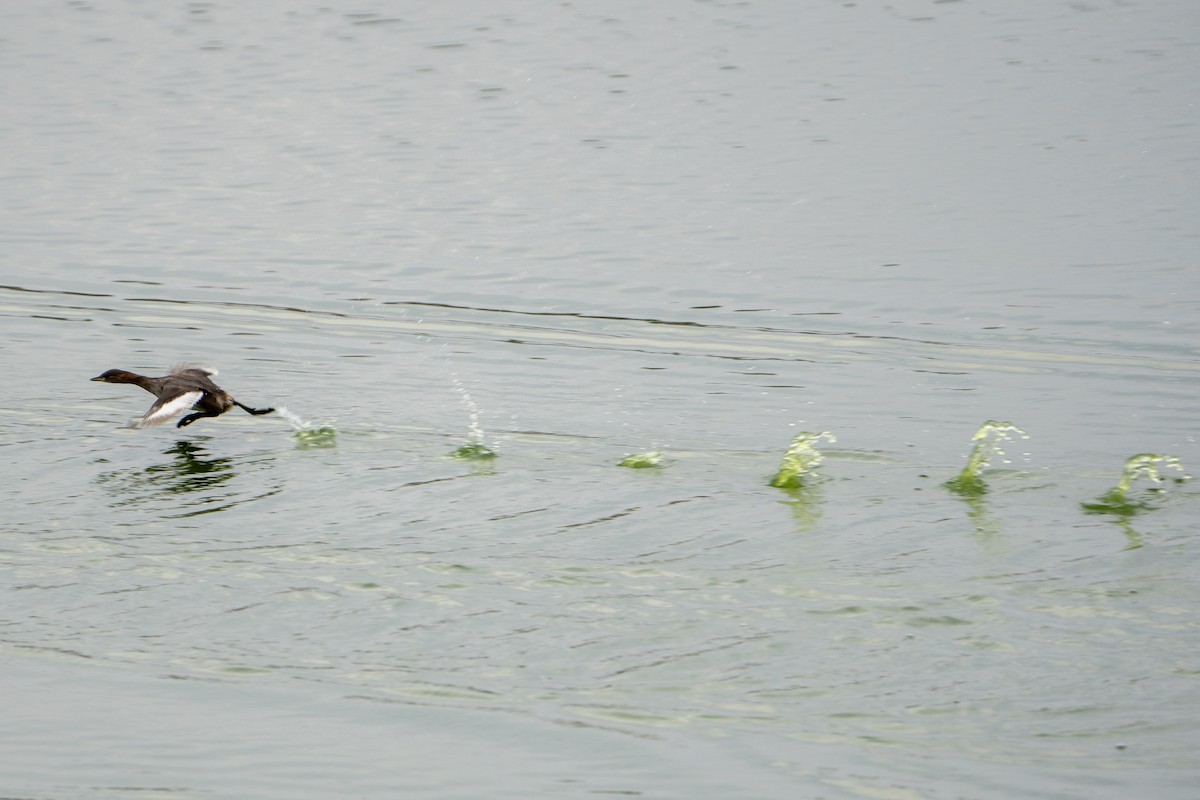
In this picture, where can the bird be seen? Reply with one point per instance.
(187, 387)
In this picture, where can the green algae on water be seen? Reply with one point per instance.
(474, 451)
(1143, 465)
(801, 458)
(989, 441)
(653, 458)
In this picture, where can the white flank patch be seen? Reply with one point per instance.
(162, 413)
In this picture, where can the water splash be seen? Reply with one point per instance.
(474, 449)
(989, 441)
(653, 458)
(290, 418)
(801, 458)
(307, 434)
(1143, 465)
(473, 452)
(473, 426)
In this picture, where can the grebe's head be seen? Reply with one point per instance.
(115, 376)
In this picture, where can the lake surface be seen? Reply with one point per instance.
(568, 233)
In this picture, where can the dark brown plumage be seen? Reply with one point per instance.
(187, 387)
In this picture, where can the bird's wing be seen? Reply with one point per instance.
(193, 370)
(164, 409)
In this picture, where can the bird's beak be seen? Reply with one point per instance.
(98, 378)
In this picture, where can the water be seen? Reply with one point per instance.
(568, 235)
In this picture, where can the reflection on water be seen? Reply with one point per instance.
(806, 501)
(985, 523)
(190, 471)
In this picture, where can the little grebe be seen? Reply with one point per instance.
(187, 387)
